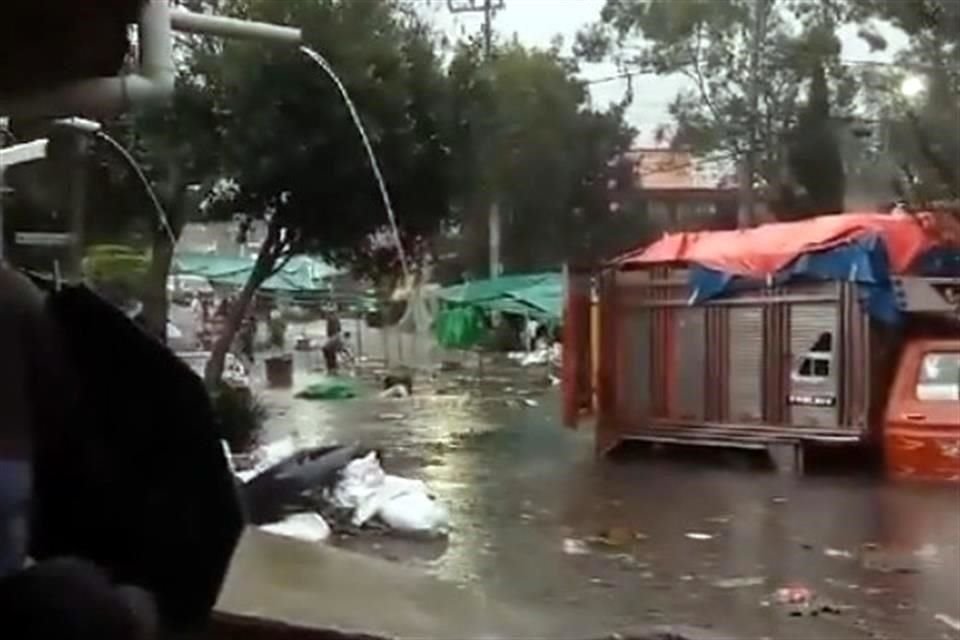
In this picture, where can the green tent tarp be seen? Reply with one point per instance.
(299, 274)
(332, 389)
(536, 295)
(460, 327)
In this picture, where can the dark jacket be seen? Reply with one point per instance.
(134, 479)
(26, 362)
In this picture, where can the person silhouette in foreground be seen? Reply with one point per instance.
(60, 598)
(67, 598)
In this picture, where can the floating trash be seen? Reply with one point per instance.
(740, 582)
(574, 547)
(697, 535)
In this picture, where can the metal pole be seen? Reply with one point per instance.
(2, 194)
(493, 221)
(16, 154)
(489, 9)
(77, 206)
(3, 188)
(749, 165)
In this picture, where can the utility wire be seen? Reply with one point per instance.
(847, 62)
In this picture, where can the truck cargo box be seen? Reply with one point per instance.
(791, 363)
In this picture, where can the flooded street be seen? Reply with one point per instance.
(609, 545)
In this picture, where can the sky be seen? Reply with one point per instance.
(538, 22)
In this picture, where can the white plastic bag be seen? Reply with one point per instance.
(415, 512)
(534, 358)
(309, 527)
(359, 481)
(402, 504)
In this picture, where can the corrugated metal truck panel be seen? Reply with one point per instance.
(740, 370)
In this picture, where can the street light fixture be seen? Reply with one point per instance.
(912, 86)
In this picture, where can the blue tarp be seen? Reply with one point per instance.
(863, 261)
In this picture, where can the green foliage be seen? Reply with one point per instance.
(710, 42)
(526, 134)
(922, 131)
(117, 272)
(107, 262)
(814, 158)
(287, 139)
(240, 416)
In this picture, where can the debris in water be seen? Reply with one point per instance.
(391, 416)
(616, 537)
(793, 595)
(574, 547)
(530, 402)
(739, 583)
(308, 527)
(950, 621)
(395, 392)
(778, 500)
(837, 553)
(927, 552)
(876, 558)
(697, 535)
(801, 601)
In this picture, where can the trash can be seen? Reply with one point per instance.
(280, 372)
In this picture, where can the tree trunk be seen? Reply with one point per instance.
(262, 268)
(155, 302)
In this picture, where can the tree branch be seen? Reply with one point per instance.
(939, 164)
(697, 76)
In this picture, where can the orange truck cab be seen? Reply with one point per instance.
(921, 430)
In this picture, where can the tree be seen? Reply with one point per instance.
(526, 133)
(813, 158)
(176, 148)
(291, 149)
(710, 42)
(922, 130)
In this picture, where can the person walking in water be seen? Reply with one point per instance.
(333, 345)
(333, 324)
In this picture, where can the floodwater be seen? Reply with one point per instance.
(609, 545)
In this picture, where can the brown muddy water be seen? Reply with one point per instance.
(604, 545)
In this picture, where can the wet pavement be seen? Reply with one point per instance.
(614, 544)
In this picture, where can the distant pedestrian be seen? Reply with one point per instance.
(530, 329)
(333, 324)
(248, 336)
(331, 353)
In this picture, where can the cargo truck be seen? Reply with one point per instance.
(832, 332)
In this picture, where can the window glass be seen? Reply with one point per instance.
(821, 368)
(939, 377)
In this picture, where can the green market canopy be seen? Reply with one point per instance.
(300, 274)
(538, 295)
(461, 322)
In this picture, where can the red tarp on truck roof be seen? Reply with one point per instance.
(767, 249)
